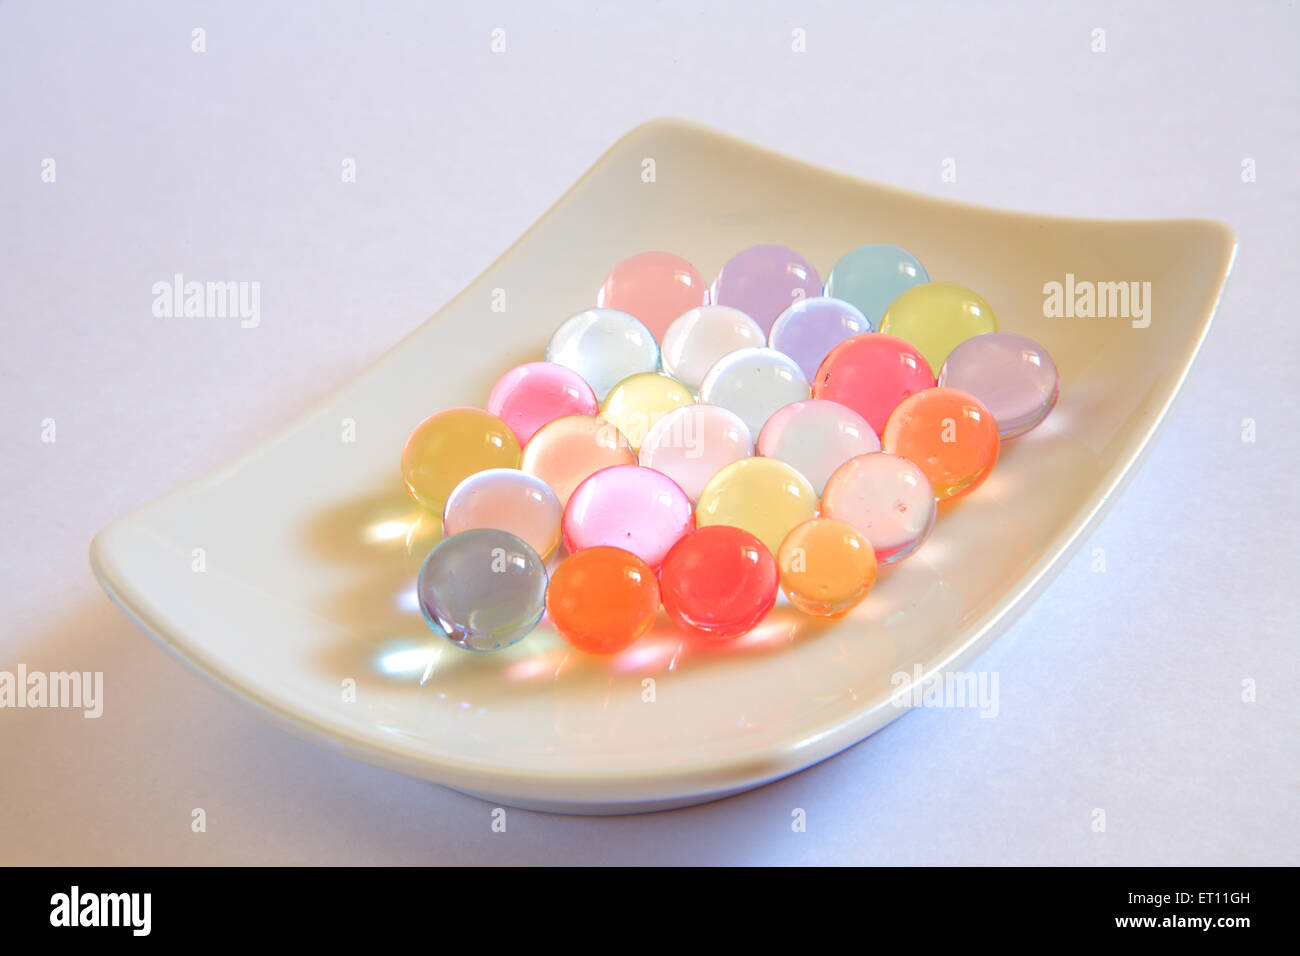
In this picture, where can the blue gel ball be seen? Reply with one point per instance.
(871, 277)
(483, 589)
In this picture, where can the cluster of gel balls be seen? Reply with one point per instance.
(703, 447)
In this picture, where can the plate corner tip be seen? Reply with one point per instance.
(663, 123)
(99, 553)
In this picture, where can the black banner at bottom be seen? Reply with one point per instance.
(332, 904)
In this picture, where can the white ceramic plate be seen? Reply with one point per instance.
(310, 546)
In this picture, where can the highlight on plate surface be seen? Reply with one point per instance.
(705, 448)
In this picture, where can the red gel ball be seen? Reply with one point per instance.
(871, 373)
(718, 582)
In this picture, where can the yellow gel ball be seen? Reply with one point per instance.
(448, 447)
(763, 496)
(827, 567)
(637, 402)
(936, 317)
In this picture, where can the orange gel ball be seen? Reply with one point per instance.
(448, 447)
(602, 599)
(949, 435)
(566, 452)
(827, 567)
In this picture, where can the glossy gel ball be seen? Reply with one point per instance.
(693, 443)
(656, 287)
(629, 507)
(602, 599)
(528, 396)
(718, 582)
(764, 281)
(937, 317)
(701, 336)
(950, 435)
(604, 346)
(448, 447)
(763, 496)
(871, 374)
(567, 451)
(827, 567)
(754, 383)
(816, 437)
(508, 500)
(873, 276)
(483, 589)
(1012, 375)
(809, 329)
(887, 498)
(635, 404)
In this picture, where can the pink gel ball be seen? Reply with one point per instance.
(529, 396)
(693, 443)
(816, 437)
(629, 507)
(1011, 375)
(508, 500)
(885, 497)
(656, 287)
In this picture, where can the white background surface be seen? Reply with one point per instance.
(1119, 690)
